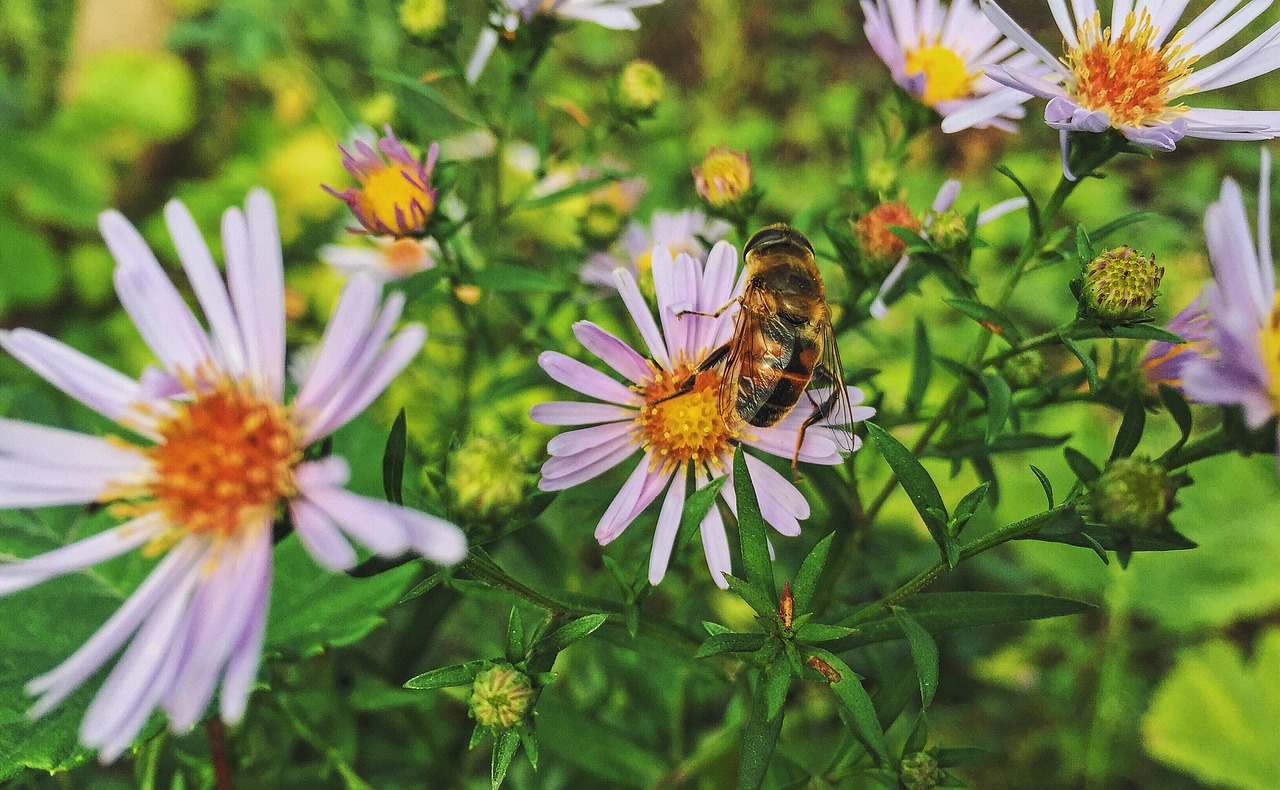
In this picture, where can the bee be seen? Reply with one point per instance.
(783, 343)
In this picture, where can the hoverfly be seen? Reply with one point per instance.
(782, 342)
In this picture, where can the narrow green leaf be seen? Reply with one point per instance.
(759, 739)
(1033, 209)
(821, 632)
(1131, 428)
(999, 397)
(515, 636)
(577, 188)
(848, 688)
(1085, 469)
(1084, 248)
(529, 740)
(951, 756)
(425, 586)
(1178, 410)
(714, 628)
(919, 737)
(696, 507)
(504, 751)
(921, 369)
(752, 594)
(1146, 332)
(777, 682)
(1102, 231)
(569, 633)
(938, 612)
(1045, 484)
(730, 643)
(809, 573)
(924, 652)
(455, 675)
(432, 95)
(757, 567)
(393, 460)
(1086, 361)
(915, 480)
(988, 316)
(968, 506)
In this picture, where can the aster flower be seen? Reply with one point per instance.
(613, 14)
(676, 232)
(388, 259)
(679, 437)
(1243, 364)
(936, 54)
(395, 196)
(208, 455)
(724, 177)
(946, 196)
(1162, 362)
(1131, 74)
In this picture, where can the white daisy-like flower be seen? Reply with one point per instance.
(211, 454)
(687, 232)
(1130, 74)
(936, 54)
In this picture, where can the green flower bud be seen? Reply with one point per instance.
(487, 479)
(920, 771)
(881, 177)
(422, 17)
(1119, 285)
(1024, 370)
(640, 86)
(949, 230)
(1133, 495)
(501, 697)
(601, 223)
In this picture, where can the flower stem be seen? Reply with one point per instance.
(217, 733)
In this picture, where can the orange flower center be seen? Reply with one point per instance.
(224, 461)
(881, 246)
(688, 426)
(1129, 78)
(388, 189)
(1271, 352)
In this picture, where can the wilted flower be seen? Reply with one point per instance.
(682, 436)
(613, 14)
(1133, 495)
(640, 86)
(501, 697)
(1243, 365)
(389, 258)
(395, 196)
(223, 453)
(676, 232)
(882, 248)
(1130, 75)
(946, 196)
(1119, 285)
(723, 178)
(936, 55)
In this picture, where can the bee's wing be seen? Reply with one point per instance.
(751, 371)
(835, 407)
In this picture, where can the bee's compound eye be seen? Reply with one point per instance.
(766, 236)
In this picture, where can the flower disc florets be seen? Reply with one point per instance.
(684, 427)
(501, 697)
(1120, 285)
(395, 196)
(1133, 495)
(881, 248)
(724, 177)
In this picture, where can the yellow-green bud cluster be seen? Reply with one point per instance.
(920, 771)
(501, 697)
(1133, 495)
(949, 230)
(640, 86)
(1024, 370)
(1120, 285)
(422, 17)
(487, 479)
(724, 177)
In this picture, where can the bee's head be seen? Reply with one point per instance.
(778, 238)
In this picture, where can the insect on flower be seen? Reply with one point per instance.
(782, 342)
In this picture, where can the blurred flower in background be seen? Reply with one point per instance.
(690, 232)
(224, 453)
(388, 259)
(395, 196)
(724, 177)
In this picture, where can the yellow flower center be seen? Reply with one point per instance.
(1271, 352)
(945, 76)
(1128, 78)
(388, 189)
(224, 461)
(723, 177)
(687, 427)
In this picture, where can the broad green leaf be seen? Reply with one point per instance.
(921, 369)
(924, 652)
(759, 739)
(569, 633)
(504, 751)
(991, 318)
(915, 480)
(1131, 428)
(757, 567)
(730, 643)
(848, 688)
(999, 397)
(444, 677)
(393, 460)
(1216, 715)
(938, 612)
(809, 573)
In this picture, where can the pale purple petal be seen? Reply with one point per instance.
(106, 391)
(207, 283)
(613, 352)
(639, 311)
(778, 488)
(575, 413)
(322, 539)
(664, 536)
(242, 668)
(392, 359)
(77, 556)
(434, 538)
(715, 541)
(564, 472)
(343, 337)
(587, 380)
(268, 288)
(357, 516)
(641, 488)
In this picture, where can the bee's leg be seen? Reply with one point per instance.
(713, 359)
(716, 314)
(820, 413)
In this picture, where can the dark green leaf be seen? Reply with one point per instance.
(915, 480)
(425, 586)
(1033, 209)
(1084, 249)
(529, 740)
(715, 628)
(1006, 443)
(989, 317)
(455, 675)
(1121, 223)
(506, 277)
(1131, 428)
(951, 756)
(757, 567)
(849, 690)
(1178, 410)
(754, 596)
(759, 739)
(504, 751)
(1084, 469)
(809, 573)
(820, 632)
(569, 633)
(393, 460)
(924, 652)
(999, 396)
(730, 643)
(696, 508)
(777, 682)
(1045, 484)
(938, 612)
(515, 636)
(1086, 361)
(967, 507)
(921, 369)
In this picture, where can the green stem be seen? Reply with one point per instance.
(1215, 442)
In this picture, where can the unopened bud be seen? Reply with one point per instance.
(1024, 370)
(881, 248)
(501, 697)
(640, 86)
(949, 230)
(487, 479)
(1120, 285)
(1133, 495)
(881, 177)
(422, 17)
(724, 177)
(920, 771)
